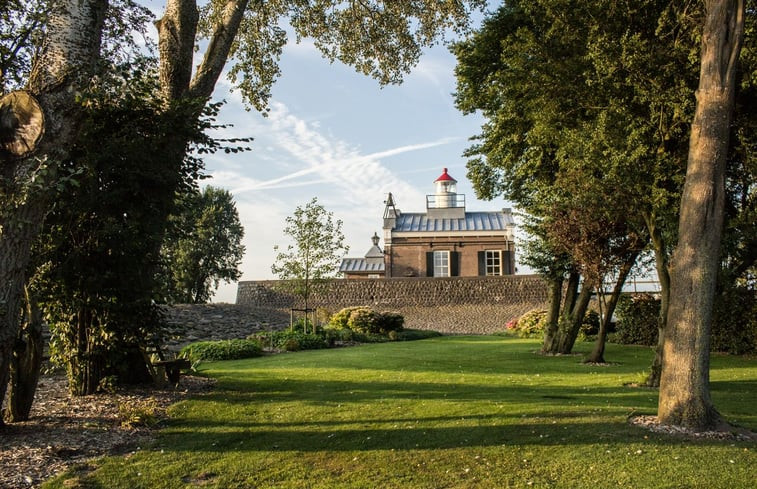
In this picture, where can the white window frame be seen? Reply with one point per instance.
(493, 262)
(441, 263)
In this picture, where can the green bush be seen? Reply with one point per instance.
(413, 334)
(332, 335)
(365, 320)
(292, 340)
(342, 317)
(590, 324)
(390, 322)
(532, 324)
(734, 322)
(221, 350)
(637, 316)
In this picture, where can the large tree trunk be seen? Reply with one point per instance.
(26, 364)
(561, 339)
(571, 293)
(62, 69)
(570, 325)
(553, 315)
(663, 276)
(555, 332)
(684, 383)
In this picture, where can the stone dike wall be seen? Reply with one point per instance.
(206, 322)
(457, 305)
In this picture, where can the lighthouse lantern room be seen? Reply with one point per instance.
(446, 202)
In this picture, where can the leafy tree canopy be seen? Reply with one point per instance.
(316, 249)
(203, 246)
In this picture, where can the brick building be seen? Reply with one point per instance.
(371, 266)
(444, 241)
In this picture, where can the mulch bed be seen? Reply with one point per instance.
(723, 432)
(64, 431)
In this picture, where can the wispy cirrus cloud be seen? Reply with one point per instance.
(325, 159)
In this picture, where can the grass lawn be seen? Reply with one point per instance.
(451, 412)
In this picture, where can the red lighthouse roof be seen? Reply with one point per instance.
(445, 177)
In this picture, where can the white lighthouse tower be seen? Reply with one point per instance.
(446, 202)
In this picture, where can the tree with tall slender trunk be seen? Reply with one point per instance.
(684, 383)
(61, 71)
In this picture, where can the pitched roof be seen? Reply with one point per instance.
(352, 265)
(473, 221)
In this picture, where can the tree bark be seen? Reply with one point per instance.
(551, 343)
(26, 364)
(571, 293)
(570, 325)
(663, 276)
(65, 63)
(598, 353)
(553, 315)
(684, 384)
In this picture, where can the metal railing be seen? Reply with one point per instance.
(445, 201)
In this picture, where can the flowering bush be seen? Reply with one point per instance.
(532, 324)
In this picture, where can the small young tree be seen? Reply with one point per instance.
(315, 254)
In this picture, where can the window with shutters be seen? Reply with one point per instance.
(441, 264)
(493, 262)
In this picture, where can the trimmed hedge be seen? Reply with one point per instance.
(734, 322)
(292, 340)
(221, 350)
(637, 316)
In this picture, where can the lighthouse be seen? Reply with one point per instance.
(446, 190)
(445, 202)
(444, 241)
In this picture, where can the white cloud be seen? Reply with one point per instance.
(323, 159)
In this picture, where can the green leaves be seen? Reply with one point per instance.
(586, 106)
(379, 38)
(203, 246)
(316, 249)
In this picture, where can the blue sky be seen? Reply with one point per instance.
(338, 136)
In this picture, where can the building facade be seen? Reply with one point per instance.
(370, 266)
(445, 241)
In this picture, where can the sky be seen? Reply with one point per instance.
(337, 135)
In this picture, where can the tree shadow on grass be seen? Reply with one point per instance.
(409, 416)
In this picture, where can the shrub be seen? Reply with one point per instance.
(532, 324)
(734, 321)
(342, 317)
(390, 322)
(221, 350)
(413, 334)
(333, 334)
(293, 340)
(590, 324)
(637, 316)
(138, 413)
(365, 320)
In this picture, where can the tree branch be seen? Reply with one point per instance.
(218, 50)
